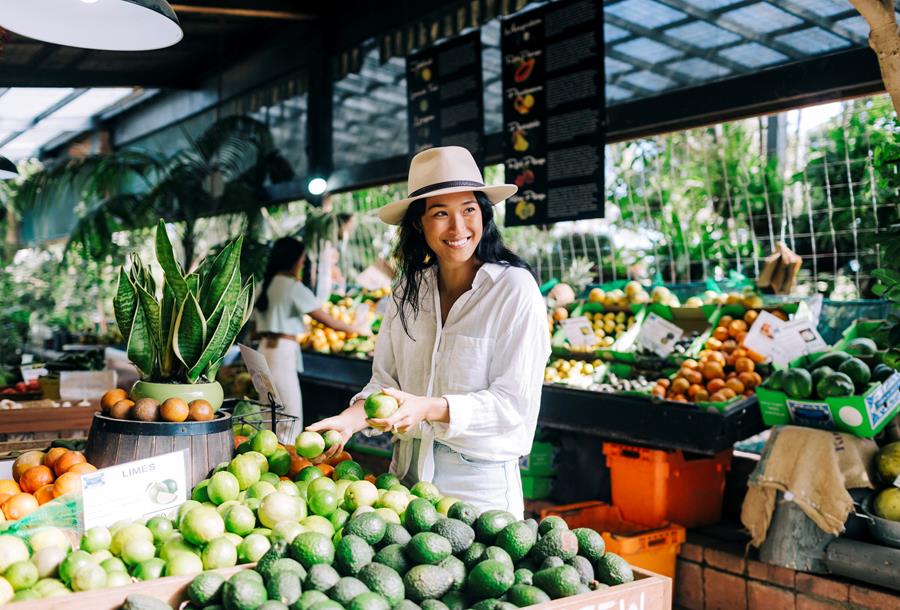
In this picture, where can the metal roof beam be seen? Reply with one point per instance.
(827, 24)
(42, 115)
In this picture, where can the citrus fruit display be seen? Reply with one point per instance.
(40, 477)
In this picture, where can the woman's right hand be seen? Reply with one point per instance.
(347, 424)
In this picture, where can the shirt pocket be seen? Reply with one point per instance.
(468, 363)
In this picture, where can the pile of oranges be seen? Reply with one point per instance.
(298, 462)
(39, 477)
(724, 369)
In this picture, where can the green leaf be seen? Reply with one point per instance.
(168, 313)
(220, 274)
(888, 276)
(140, 346)
(213, 369)
(124, 303)
(190, 332)
(171, 269)
(250, 286)
(226, 331)
(213, 350)
(151, 314)
(878, 289)
(228, 297)
(193, 284)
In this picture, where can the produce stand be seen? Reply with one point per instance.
(48, 418)
(332, 380)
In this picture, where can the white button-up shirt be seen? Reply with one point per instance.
(487, 360)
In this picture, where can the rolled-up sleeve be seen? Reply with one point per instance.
(384, 364)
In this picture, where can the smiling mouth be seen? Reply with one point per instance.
(459, 243)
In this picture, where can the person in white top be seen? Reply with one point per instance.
(463, 343)
(279, 311)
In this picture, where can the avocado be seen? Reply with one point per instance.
(369, 601)
(434, 604)
(862, 346)
(523, 576)
(463, 512)
(428, 547)
(457, 570)
(527, 564)
(561, 581)
(243, 593)
(206, 589)
(517, 539)
(552, 522)
(383, 580)
(858, 372)
(393, 557)
(551, 562)
(473, 554)
(798, 383)
(560, 543)
(498, 554)
(419, 516)
(368, 526)
(427, 582)
(310, 548)
(394, 533)
(523, 595)
(136, 601)
(612, 570)
(836, 384)
(584, 567)
(490, 523)
(346, 589)
(590, 544)
(288, 564)
(279, 550)
(460, 535)
(321, 577)
(326, 605)
(309, 599)
(352, 553)
(454, 600)
(283, 586)
(490, 578)
(407, 605)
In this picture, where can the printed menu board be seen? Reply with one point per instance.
(553, 111)
(445, 102)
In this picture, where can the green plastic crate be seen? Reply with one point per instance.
(536, 488)
(541, 462)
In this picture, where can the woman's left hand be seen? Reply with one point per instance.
(413, 410)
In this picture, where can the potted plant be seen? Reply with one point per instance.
(177, 334)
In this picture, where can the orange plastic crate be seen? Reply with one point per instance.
(654, 486)
(653, 549)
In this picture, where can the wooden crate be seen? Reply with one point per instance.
(648, 592)
(47, 419)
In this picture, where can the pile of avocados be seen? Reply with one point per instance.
(464, 560)
(836, 373)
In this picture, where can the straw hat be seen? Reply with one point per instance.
(440, 171)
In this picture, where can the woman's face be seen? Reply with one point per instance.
(452, 225)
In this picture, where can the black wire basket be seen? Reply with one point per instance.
(268, 416)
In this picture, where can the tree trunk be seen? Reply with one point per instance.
(884, 38)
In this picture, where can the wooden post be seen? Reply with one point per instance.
(884, 38)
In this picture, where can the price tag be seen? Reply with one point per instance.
(31, 372)
(260, 374)
(579, 332)
(782, 341)
(135, 490)
(84, 385)
(659, 335)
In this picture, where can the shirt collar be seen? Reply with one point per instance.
(491, 270)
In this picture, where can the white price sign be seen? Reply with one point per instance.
(135, 490)
(783, 341)
(659, 335)
(579, 332)
(260, 374)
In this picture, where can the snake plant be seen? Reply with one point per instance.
(179, 332)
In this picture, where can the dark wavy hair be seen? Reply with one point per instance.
(414, 257)
(283, 256)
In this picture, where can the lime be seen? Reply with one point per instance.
(200, 493)
(223, 486)
(386, 481)
(99, 556)
(360, 493)
(264, 442)
(47, 560)
(309, 444)
(262, 531)
(323, 503)
(426, 490)
(348, 469)
(88, 576)
(137, 550)
(175, 545)
(220, 467)
(361, 510)
(316, 523)
(245, 469)
(280, 462)
(185, 509)
(270, 477)
(224, 506)
(219, 553)
(252, 504)
(286, 531)
(332, 438)
(239, 520)
(278, 506)
(243, 448)
(161, 528)
(252, 548)
(302, 486)
(113, 564)
(6, 591)
(397, 501)
(51, 587)
(243, 430)
(338, 518)
(287, 487)
(115, 527)
(117, 579)
(149, 569)
(260, 460)
(44, 537)
(341, 488)
(96, 539)
(12, 549)
(260, 490)
(184, 564)
(380, 406)
(444, 504)
(320, 484)
(21, 575)
(235, 539)
(310, 473)
(129, 532)
(388, 515)
(202, 525)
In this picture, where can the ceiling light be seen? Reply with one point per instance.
(110, 25)
(7, 169)
(317, 185)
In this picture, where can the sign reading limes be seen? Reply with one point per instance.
(134, 490)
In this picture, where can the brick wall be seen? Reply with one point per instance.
(718, 575)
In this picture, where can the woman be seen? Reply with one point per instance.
(463, 344)
(282, 302)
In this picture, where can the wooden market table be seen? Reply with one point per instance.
(47, 418)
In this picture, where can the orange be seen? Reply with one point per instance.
(67, 460)
(713, 343)
(238, 440)
(750, 316)
(663, 382)
(111, 398)
(713, 370)
(744, 365)
(343, 456)
(701, 396)
(720, 333)
(297, 464)
(82, 468)
(748, 380)
(737, 327)
(735, 385)
(69, 482)
(680, 385)
(35, 477)
(326, 469)
(691, 364)
(8, 486)
(715, 385)
(26, 461)
(53, 455)
(5, 497)
(370, 478)
(19, 505)
(694, 377)
(755, 356)
(780, 315)
(44, 494)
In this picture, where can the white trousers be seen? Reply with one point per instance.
(285, 360)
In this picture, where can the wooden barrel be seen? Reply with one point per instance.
(115, 441)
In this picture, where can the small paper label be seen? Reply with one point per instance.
(85, 385)
(659, 335)
(579, 332)
(31, 372)
(135, 490)
(260, 374)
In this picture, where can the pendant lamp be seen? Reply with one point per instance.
(7, 169)
(108, 25)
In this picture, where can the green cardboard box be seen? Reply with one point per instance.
(542, 460)
(536, 488)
